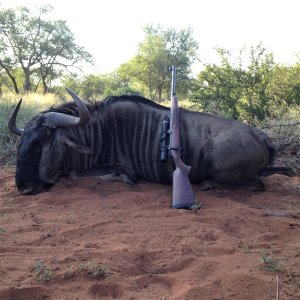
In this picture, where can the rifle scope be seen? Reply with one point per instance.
(164, 137)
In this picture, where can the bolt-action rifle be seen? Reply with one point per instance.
(183, 195)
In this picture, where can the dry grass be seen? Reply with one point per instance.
(183, 103)
(31, 105)
(36, 100)
(285, 133)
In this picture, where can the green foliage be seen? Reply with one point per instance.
(92, 87)
(45, 273)
(83, 266)
(94, 270)
(105, 85)
(40, 48)
(284, 88)
(162, 48)
(38, 266)
(7, 84)
(45, 276)
(236, 90)
(251, 90)
(196, 206)
(96, 87)
(99, 271)
(271, 264)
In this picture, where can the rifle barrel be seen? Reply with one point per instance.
(173, 85)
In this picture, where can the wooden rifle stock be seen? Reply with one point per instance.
(183, 195)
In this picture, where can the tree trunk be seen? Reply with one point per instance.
(27, 84)
(160, 94)
(12, 78)
(45, 86)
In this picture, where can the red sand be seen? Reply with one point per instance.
(89, 240)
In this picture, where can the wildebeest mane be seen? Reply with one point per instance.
(70, 108)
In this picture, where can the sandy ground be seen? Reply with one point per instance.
(90, 240)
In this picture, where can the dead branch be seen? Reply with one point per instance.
(280, 125)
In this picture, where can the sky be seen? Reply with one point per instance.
(111, 30)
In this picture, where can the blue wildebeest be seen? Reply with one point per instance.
(122, 134)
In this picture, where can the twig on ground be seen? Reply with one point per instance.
(277, 213)
(281, 125)
(270, 289)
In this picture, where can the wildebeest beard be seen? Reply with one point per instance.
(28, 159)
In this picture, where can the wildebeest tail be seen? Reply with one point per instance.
(268, 142)
(267, 171)
(271, 149)
(270, 170)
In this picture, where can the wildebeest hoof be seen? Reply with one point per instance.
(127, 180)
(116, 178)
(255, 186)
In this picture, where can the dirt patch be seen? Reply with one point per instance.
(89, 240)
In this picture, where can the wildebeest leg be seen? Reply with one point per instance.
(255, 185)
(116, 177)
(235, 161)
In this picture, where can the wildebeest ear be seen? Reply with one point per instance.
(76, 147)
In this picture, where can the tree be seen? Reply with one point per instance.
(148, 70)
(41, 48)
(95, 87)
(284, 88)
(92, 87)
(218, 88)
(237, 90)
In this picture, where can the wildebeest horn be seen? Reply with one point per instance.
(54, 119)
(12, 121)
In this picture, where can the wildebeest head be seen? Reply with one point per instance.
(41, 148)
